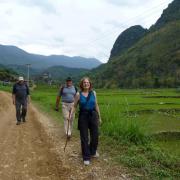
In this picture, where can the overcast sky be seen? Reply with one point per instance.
(85, 28)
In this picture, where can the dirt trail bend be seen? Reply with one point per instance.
(34, 150)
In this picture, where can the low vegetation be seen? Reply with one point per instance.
(132, 130)
(7, 74)
(140, 128)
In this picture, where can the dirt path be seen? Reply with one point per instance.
(34, 150)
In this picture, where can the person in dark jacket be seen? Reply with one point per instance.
(89, 119)
(20, 96)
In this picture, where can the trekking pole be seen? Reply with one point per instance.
(67, 131)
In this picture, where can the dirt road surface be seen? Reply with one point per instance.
(34, 150)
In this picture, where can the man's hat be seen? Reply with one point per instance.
(68, 79)
(21, 78)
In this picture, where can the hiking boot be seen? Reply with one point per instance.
(96, 155)
(23, 119)
(86, 162)
(69, 137)
(18, 123)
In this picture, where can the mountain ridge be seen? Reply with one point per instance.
(153, 61)
(14, 55)
(127, 39)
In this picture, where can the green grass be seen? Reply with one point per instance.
(130, 120)
(45, 98)
(5, 88)
(154, 114)
(148, 161)
(131, 117)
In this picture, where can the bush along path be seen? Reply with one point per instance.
(35, 150)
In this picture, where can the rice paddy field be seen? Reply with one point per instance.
(145, 125)
(140, 129)
(154, 113)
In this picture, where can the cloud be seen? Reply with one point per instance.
(44, 5)
(128, 3)
(73, 28)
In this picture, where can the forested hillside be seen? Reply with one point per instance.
(7, 74)
(126, 39)
(153, 61)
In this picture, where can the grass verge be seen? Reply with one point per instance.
(125, 136)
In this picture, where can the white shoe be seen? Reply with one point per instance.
(96, 155)
(69, 133)
(86, 162)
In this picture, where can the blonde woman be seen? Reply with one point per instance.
(89, 119)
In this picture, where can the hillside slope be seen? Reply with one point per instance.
(153, 61)
(127, 39)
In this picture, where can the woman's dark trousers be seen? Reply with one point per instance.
(88, 124)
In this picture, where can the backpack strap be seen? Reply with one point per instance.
(27, 89)
(88, 97)
(61, 90)
(76, 89)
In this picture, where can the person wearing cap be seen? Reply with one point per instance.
(20, 97)
(67, 93)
